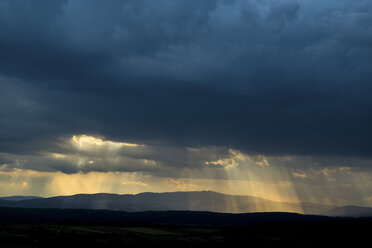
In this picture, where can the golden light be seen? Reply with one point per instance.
(85, 142)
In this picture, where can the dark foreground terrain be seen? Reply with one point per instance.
(95, 228)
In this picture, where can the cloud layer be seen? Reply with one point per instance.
(265, 77)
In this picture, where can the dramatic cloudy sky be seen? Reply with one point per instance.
(259, 97)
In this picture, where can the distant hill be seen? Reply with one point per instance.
(351, 211)
(19, 198)
(178, 201)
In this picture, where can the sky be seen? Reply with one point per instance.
(251, 97)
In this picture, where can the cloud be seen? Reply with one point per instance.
(275, 78)
(84, 153)
(140, 184)
(94, 154)
(300, 174)
(235, 158)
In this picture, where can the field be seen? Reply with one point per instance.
(23, 228)
(330, 234)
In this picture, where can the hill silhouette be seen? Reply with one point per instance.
(180, 201)
(192, 201)
(195, 218)
(351, 211)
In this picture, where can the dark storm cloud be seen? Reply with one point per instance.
(270, 77)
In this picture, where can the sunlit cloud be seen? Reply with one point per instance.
(141, 184)
(235, 157)
(299, 174)
(226, 163)
(328, 171)
(86, 142)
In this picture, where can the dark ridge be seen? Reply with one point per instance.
(85, 216)
(351, 211)
(19, 198)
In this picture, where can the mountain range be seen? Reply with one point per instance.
(180, 201)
